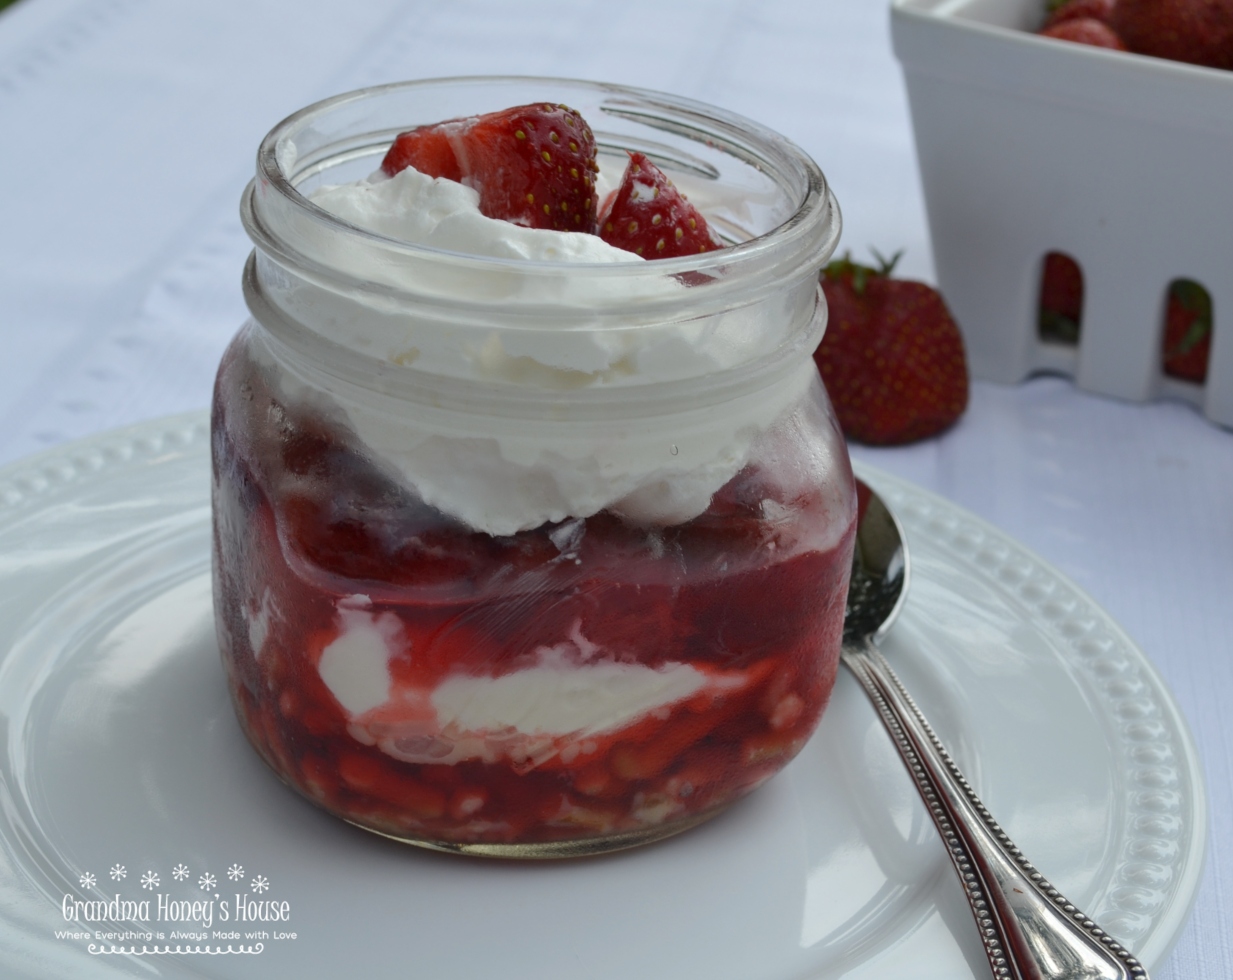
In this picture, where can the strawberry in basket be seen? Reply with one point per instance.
(1196, 31)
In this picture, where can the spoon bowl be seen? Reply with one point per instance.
(1030, 931)
(878, 587)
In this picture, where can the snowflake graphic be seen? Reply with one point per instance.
(149, 880)
(117, 872)
(235, 872)
(260, 884)
(179, 872)
(207, 881)
(88, 880)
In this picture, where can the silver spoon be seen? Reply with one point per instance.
(1030, 931)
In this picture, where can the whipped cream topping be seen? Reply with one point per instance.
(444, 214)
(499, 471)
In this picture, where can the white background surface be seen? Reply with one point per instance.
(129, 128)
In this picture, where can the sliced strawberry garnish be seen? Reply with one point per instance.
(427, 149)
(650, 217)
(533, 165)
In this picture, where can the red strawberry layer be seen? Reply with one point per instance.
(348, 630)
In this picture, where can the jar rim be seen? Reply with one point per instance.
(273, 202)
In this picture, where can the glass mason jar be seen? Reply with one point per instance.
(530, 558)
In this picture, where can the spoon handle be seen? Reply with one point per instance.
(1030, 931)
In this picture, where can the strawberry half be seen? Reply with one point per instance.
(892, 357)
(428, 149)
(533, 165)
(648, 216)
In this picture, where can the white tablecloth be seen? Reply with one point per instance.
(129, 129)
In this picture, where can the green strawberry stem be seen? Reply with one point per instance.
(1194, 336)
(860, 274)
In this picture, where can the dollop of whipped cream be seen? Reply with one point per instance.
(502, 472)
(437, 213)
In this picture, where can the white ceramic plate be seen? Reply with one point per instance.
(121, 752)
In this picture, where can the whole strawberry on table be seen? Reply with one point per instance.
(1199, 32)
(892, 357)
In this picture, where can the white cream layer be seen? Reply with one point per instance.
(568, 695)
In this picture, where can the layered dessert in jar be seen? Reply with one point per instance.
(532, 524)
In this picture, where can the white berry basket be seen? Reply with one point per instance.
(1029, 146)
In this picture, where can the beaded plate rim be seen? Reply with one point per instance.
(1166, 794)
